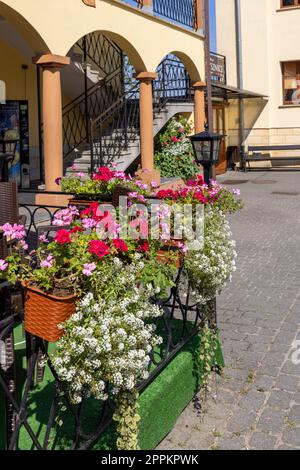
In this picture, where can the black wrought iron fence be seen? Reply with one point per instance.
(180, 11)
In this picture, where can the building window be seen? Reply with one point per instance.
(291, 82)
(290, 3)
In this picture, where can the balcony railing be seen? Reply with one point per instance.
(183, 12)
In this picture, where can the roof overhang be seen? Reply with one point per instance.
(231, 93)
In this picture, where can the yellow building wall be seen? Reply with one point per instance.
(145, 38)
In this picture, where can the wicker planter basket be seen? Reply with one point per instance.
(44, 312)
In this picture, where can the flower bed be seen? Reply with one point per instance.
(122, 285)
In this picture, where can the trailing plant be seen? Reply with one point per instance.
(127, 417)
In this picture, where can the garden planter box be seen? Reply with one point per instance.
(44, 312)
(85, 202)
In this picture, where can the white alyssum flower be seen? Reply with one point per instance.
(109, 338)
(211, 267)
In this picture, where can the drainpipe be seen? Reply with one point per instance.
(240, 80)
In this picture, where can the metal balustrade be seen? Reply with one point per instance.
(180, 11)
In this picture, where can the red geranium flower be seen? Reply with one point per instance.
(120, 245)
(144, 247)
(62, 237)
(92, 209)
(76, 229)
(200, 180)
(98, 248)
(200, 197)
(104, 174)
(166, 194)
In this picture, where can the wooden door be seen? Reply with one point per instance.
(220, 128)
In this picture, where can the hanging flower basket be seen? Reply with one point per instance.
(44, 312)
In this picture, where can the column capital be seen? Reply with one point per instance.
(199, 84)
(90, 3)
(51, 61)
(146, 76)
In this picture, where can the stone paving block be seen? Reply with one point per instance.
(263, 382)
(285, 337)
(272, 420)
(252, 401)
(262, 441)
(241, 421)
(280, 399)
(292, 437)
(232, 443)
(290, 368)
(294, 415)
(287, 382)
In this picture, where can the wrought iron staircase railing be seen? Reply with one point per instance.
(103, 52)
(89, 104)
(106, 115)
(117, 128)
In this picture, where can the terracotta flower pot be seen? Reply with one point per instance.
(171, 254)
(44, 312)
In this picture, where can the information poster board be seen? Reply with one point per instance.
(14, 125)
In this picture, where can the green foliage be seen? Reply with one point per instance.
(174, 155)
(160, 276)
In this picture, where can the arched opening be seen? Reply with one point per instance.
(101, 99)
(173, 83)
(19, 42)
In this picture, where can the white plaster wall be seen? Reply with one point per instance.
(269, 36)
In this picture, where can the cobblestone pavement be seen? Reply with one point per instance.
(256, 404)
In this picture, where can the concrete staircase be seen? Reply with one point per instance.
(81, 160)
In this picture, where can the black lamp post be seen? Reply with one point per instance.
(207, 147)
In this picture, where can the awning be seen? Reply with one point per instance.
(231, 93)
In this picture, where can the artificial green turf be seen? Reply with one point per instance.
(161, 403)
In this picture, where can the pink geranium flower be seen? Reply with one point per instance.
(13, 232)
(48, 262)
(88, 269)
(3, 265)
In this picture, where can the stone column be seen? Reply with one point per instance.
(90, 3)
(199, 105)
(147, 173)
(148, 6)
(52, 117)
(199, 14)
